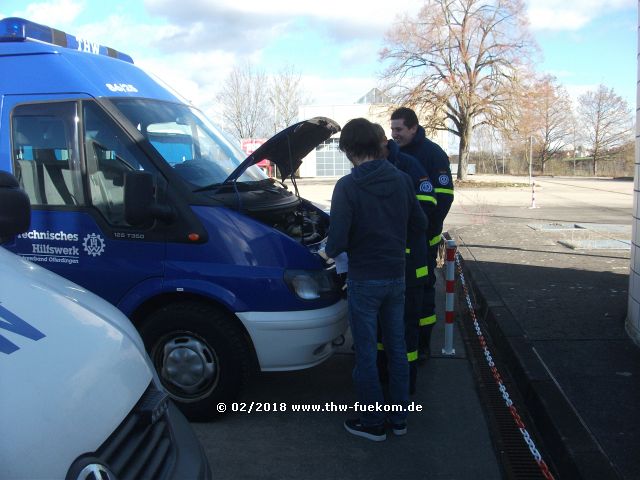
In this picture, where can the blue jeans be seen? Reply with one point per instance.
(370, 300)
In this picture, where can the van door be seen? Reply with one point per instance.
(71, 158)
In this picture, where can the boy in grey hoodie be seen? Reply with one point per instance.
(371, 211)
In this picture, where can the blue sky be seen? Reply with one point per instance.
(193, 44)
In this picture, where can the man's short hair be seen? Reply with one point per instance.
(407, 115)
(359, 139)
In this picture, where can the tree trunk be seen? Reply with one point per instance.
(463, 153)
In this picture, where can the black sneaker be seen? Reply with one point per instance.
(399, 429)
(375, 433)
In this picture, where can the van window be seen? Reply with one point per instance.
(109, 155)
(187, 142)
(45, 153)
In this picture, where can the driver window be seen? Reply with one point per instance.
(109, 155)
(45, 153)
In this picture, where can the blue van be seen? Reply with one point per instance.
(137, 197)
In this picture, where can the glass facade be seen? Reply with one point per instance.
(330, 161)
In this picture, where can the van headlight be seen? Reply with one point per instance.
(311, 284)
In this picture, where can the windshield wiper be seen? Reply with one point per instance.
(245, 185)
(211, 186)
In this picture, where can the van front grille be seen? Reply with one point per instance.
(141, 447)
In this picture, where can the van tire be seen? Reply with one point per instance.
(201, 356)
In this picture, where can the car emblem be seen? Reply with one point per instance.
(95, 471)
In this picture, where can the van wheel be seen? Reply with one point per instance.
(200, 355)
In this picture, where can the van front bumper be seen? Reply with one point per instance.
(191, 459)
(295, 340)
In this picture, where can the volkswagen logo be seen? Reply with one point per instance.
(96, 471)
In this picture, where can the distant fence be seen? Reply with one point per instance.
(579, 167)
(615, 167)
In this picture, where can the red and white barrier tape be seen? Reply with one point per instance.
(496, 375)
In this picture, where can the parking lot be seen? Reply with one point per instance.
(450, 438)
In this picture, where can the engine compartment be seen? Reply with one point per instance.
(305, 225)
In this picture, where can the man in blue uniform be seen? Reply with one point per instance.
(416, 270)
(411, 138)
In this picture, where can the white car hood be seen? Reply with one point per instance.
(63, 394)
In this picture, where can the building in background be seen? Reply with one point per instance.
(327, 160)
(250, 145)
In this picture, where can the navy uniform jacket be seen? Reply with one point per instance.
(417, 270)
(436, 163)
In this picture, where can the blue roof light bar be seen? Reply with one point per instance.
(14, 29)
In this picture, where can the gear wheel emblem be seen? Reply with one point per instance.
(93, 244)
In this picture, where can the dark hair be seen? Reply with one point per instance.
(359, 139)
(382, 135)
(409, 116)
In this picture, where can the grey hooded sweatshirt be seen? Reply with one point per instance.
(371, 209)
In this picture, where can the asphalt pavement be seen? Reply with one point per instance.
(547, 269)
(448, 439)
(549, 276)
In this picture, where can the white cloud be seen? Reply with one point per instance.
(193, 44)
(336, 91)
(571, 14)
(197, 77)
(61, 13)
(576, 90)
(359, 53)
(249, 23)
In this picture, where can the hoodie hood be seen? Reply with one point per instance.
(375, 177)
(288, 147)
(394, 151)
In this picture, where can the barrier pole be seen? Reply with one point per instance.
(533, 195)
(449, 313)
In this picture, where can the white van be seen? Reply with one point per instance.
(79, 398)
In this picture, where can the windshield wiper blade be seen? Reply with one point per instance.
(226, 183)
(211, 186)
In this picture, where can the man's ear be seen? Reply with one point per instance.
(414, 130)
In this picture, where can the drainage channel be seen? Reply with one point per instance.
(507, 424)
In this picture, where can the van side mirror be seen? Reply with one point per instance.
(140, 204)
(15, 209)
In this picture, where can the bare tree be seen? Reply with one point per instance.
(545, 119)
(457, 62)
(244, 97)
(488, 143)
(606, 122)
(286, 96)
(556, 114)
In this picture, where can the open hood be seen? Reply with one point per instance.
(287, 148)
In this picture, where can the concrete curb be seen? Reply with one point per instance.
(574, 450)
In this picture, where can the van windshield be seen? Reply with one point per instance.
(188, 142)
